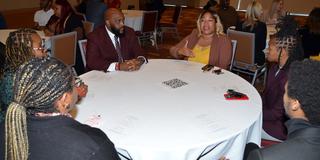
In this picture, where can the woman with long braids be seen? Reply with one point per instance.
(284, 48)
(21, 46)
(38, 125)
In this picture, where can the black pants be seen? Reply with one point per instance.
(249, 147)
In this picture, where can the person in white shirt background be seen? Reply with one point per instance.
(42, 16)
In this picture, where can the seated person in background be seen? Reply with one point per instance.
(207, 44)
(284, 48)
(310, 34)
(38, 124)
(95, 12)
(82, 6)
(65, 20)
(302, 105)
(228, 15)
(114, 4)
(253, 24)
(41, 17)
(158, 6)
(275, 12)
(211, 5)
(3, 24)
(22, 45)
(114, 46)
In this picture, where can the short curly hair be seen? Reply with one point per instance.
(304, 86)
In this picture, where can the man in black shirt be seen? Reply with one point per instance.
(302, 104)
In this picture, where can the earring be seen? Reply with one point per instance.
(67, 106)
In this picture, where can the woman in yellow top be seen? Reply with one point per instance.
(207, 44)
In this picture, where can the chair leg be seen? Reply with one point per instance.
(177, 33)
(254, 77)
(139, 42)
(265, 77)
(161, 35)
(155, 40)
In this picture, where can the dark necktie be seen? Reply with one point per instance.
(118, 49)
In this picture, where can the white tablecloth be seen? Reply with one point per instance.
(133, 19)
(154, 122)
(4, 34)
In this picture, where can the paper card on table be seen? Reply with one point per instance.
(175, 83)
(94, 121)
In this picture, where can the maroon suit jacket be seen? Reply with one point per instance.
(274, 115)
(101, 52)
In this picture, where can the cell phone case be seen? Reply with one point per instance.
(207, 67)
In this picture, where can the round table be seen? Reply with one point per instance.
(149, 120)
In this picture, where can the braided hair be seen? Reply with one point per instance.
(287, 38)
(38, 84)
(18, 49)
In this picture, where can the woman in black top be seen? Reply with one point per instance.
(38, 125)
(253, 24)
(65, 20)
(310, 34)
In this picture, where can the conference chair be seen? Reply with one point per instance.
(243, 61)
(63, 47)
(234, 47)
(149, 28)
(88, 27)
(83, 50)
(171, 27)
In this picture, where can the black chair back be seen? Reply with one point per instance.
(149, 23)
(176, 14)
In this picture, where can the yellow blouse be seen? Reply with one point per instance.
(201, 54)
(317, 58)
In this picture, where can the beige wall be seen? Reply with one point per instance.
(293, 6)
(17, 4)
(22, 4)
(192, 3)
(233, 3)
(125, 3)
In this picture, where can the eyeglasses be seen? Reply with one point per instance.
(78, 82)
(38, 49)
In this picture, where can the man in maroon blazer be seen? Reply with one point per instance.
(113, 46)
